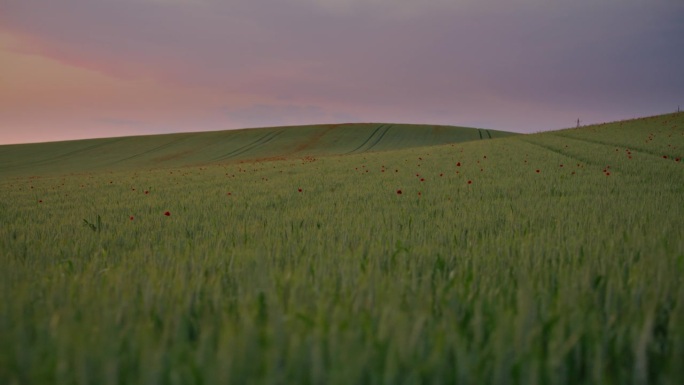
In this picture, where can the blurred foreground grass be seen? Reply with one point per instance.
(561, 262)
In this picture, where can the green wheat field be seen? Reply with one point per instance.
(346, 254)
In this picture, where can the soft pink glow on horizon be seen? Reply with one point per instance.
(80, 69)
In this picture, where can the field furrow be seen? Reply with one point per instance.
(379, 137)
(154, 149)
(248, 147)
(365, 142)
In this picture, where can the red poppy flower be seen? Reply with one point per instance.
(422, 179)
(132, 217)
(470, 182)
(168, 214)
(299, 189)
(458, 164)
(146, 192)
(441, 174)
(677, 160)
(398, 192)
(561, 165)
(40, 201)
(538, 171)
(608, 173)
(664, 156)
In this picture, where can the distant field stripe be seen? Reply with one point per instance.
(635, 148)
(366, 141)
(479, 131)
(488, 134)
(379, 137)
(161, 147)
(70, 153)
(574, 156)
(560, 152)
(89, 148)
(241, 150)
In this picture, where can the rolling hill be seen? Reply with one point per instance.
(201, 148)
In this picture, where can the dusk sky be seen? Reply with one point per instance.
(97, 68)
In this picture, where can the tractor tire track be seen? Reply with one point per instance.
(561, 152)
(638, 149)
(573, 156)
(379, 138)
(366, 141)
(241, 150)
(161, 147)
(66, 155)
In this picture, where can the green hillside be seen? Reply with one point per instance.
(553, 258)
(175, 150)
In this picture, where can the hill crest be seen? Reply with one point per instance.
(212, 147)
